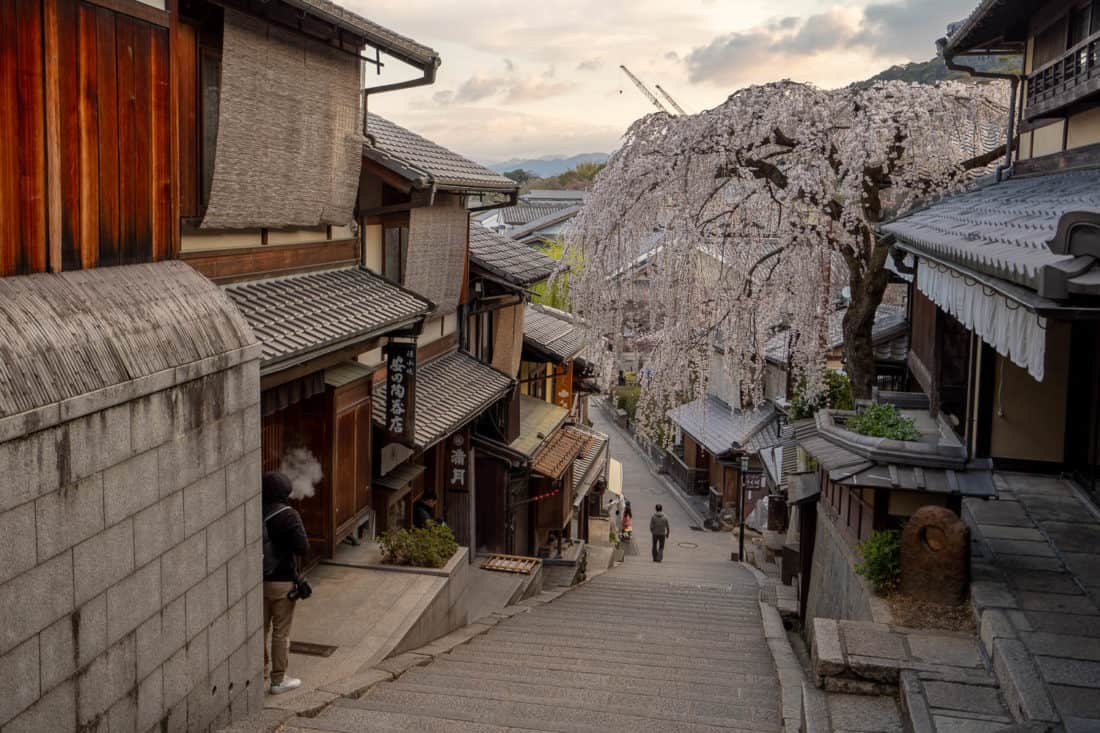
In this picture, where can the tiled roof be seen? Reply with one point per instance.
(450, 392)
(552, 332)
(991, 20)
(395, 43)
(525, 213)
(587, 467)
(68, 334)
(554, 194)
(890, 324)
(536, 417)
(1009, 230)
(557, 453)
(311, 313)
(508, 259)
(426, 163)
(719, 429)
(536, 225)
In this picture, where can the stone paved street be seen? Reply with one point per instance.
(676, 646)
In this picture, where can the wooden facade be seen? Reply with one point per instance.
(88, 97)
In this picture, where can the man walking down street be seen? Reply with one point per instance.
(660, 529)
(285, 542)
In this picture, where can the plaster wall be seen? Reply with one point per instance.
(373, 235)
(130, 590)
(1084, 129)
(1029, 417)
(1047, 140)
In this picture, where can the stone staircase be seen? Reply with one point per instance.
(613, 654)
(939, 679)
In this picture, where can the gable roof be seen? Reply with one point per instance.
(508, 259)
(551, 332)
(711, 422)
(1013, 231)
(555, 217)
(426, 163)
(999, 23)
(306, 315)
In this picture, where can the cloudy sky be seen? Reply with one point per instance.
(528, 79)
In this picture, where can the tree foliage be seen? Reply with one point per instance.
(726, 227)
(883, 421)
(835, 394)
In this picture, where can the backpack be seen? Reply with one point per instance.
(271, 553)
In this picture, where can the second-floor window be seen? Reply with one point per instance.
(395, 247)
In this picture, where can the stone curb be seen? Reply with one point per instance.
(792, 679)
(914, 704)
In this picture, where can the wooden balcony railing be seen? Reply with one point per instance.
(1065, 80)
(691, 480)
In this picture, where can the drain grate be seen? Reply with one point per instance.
(313, 650)
(687, 545)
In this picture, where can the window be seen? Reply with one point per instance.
(1078, 26)
(210, 75)
(485, 337)
(395, 248)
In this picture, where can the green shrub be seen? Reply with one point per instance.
(836, 395)
(430, 547)
(884, 421)
(626, 398)
(881, 560)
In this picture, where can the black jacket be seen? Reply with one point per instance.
(422, 514)
(285, 530)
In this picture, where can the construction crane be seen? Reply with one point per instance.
(671, 101)
(648, 94)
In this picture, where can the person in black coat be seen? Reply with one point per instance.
(424, 510)
(286, 534)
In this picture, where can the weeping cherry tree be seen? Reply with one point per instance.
(708, 234)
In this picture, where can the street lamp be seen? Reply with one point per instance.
(741, 507)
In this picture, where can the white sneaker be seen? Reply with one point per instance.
(288, 684)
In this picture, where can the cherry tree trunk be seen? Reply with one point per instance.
(868, 286)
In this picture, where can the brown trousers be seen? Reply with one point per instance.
(278, 615)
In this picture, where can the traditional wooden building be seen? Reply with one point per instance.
(415, 204)
(1005, 338)
(137, 133)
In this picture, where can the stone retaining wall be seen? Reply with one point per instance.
(130, 586)
(836, 591)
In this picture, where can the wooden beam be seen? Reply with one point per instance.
(53, 135)
(174, 125)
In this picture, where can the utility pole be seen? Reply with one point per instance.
(741, 506)
(644, 90)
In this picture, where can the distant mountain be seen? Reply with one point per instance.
(933, 70)
(550, 165)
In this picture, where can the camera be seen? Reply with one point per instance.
(301, 590)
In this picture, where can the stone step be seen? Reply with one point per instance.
(761, 661)
(616, 679)
(505, 660)
(339, 719)
(541, 716)
(622, 701)
(715, 650)
(679, 636)
(932, 706)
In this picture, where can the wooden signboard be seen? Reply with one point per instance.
(400, 392)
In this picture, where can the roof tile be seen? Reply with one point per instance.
(313, 311)
(437, 164)
(552, 331)
(508, 259)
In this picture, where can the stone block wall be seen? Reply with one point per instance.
(836, 591)
(130, 558)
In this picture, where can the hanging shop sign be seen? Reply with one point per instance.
(457, 460)
(400, 391)
(752, 480)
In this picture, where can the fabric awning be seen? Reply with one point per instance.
(615, 477)
(590, 465)
(1014, 331)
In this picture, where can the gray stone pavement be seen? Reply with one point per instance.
(675, 646)
(1036, 590)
